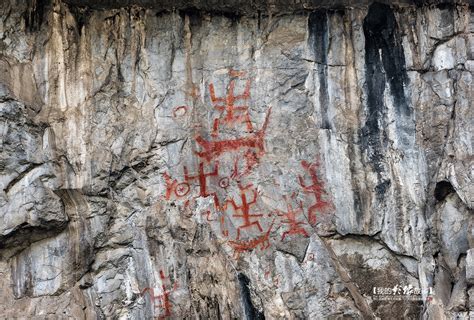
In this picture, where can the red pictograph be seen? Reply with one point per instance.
(213, 149)
(224, 230)
(161, 302)
(249, 219)
(180, 190)
(179, 111)
(233, 137)
(242, 166)
(294, 226)
(247, 245)
(267, 273)
(317, 189)
(230, 112)
(224, 182)
(202, 177)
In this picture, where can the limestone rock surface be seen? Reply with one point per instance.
(235, 160)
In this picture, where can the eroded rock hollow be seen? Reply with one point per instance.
(236, 159)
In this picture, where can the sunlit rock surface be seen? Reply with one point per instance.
(200, 159)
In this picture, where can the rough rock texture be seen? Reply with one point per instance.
(211, 160)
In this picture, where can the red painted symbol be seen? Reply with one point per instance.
(244, 208)
(201, 177)
(180, 111)
(247, 245)
(182, 189)
(294, 226)
(224, 183)
(161, 302)
(230, 112)
(207, 214)
(250, 160)
(172, 186)
(213, 149)
(166, 300)
(316, 189)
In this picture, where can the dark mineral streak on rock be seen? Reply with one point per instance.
(251, 312)
(318, 42)
(81, 14)
(34, 14)
(384, 62)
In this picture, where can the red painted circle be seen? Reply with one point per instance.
(182, 189)
(224, 182)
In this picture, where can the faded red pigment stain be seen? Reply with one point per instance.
(208, 215)
(161, 302)
(211, 149)
(241, 246)
(317, 189)
(180, 111)
(267, 273)
(251, 160)
(294, 226)
(224, 230)
(249, 219)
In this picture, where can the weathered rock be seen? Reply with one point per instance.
(470, 266)
(226, 159)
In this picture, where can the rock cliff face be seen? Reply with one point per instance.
(286, 160)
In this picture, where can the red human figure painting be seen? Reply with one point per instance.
(161, 303)
(231, 113)
(202, 177)
(294, 226)
(249, 219)
(316, 188)
(166, 296)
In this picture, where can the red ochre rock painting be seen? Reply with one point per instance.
(263, 241)
(231, 114)
(294, 227)
(316, 188)
(161, 302)
(236, 200)
(249, 219)
(180, 111)
(212, 149)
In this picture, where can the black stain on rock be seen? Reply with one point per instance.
(382, 188)
(318, 41)
(81, 15)
(34, 14)
(384, 63)
(251, 312)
